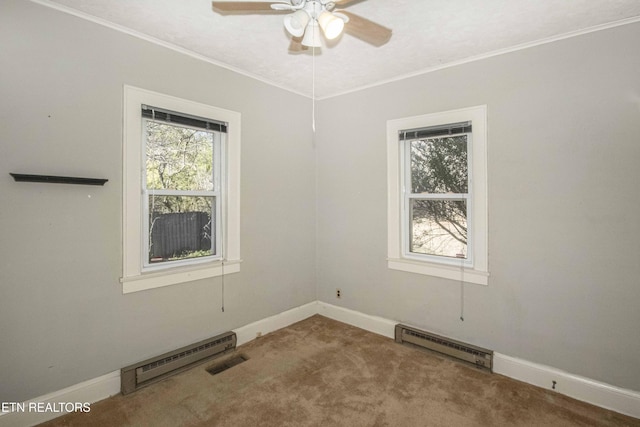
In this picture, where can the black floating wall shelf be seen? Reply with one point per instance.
(20, 177)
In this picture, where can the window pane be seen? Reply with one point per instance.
(178, 158)
(181, 227)
(439, 227)
(439, 165)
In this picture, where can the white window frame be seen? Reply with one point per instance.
(136, 276)
(475, 268)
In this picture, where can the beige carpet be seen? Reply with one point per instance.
(320, 372)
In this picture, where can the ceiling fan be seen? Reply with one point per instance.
(305, 19)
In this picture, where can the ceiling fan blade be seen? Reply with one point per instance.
(343, 3)
(225, 7)
(366, 30)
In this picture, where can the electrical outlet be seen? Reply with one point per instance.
(338, 293)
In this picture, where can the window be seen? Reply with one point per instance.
(181, 190)
(181, 187)
(437, 208)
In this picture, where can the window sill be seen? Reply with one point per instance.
(178, 275)
(467, 275)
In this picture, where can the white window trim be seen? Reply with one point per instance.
(478, 272)
(134, 277)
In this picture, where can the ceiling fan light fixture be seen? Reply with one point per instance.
(331, 25)
(312, 35)
(296, 22)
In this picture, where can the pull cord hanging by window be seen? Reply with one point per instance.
(313, 86)
(462, 290)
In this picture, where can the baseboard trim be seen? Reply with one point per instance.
(89, 391)
(597, 393)
(249, 332)
(617, 399)
(375, 324)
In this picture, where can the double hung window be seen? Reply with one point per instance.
(181, 205)
(182, 187)
(436, 191)
(437, 205)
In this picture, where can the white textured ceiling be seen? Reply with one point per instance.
(427, 34)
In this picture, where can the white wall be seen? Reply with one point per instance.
(63, 317)
(563, 148)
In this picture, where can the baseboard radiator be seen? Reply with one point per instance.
(155, 369)
(481, 357)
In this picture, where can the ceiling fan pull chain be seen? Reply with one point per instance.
(313, 89)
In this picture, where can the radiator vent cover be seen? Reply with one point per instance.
(152, 370)
(481, 357)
